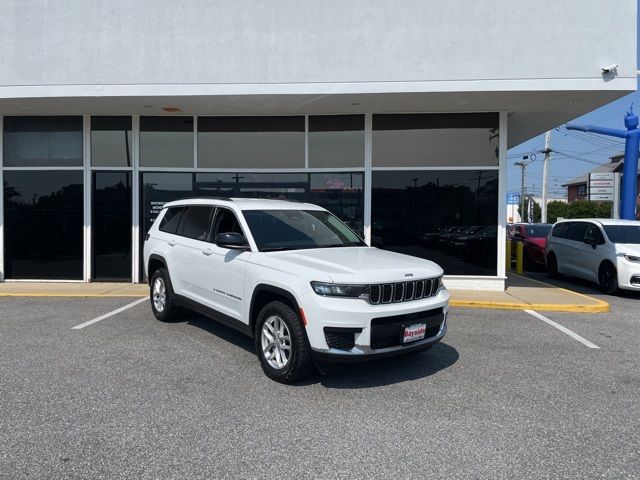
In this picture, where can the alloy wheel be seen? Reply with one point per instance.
(159, 294)
(275, 340)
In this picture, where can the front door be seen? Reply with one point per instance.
(111, 226)
(224, 268)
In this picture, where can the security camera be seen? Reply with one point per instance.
(610, 68)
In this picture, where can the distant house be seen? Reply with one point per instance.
(578, 188)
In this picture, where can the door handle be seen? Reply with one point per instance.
(207, 252)
(172, 243)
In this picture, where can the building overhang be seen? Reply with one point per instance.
(533, 106)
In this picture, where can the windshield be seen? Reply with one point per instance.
(537, 230)
(297, 229)
(623, 233)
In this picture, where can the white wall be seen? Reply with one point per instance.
(97, 42)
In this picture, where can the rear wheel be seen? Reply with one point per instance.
(552, 266)
(161, 296)
(281, 344)
(608, 278)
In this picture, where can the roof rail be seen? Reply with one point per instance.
(213, 197)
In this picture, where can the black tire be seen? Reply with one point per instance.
(552, 266)
(170, 311)
(299, 363)
(608, 278)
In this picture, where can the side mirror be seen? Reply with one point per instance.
(231, 240)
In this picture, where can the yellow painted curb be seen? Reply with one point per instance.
(599, 307)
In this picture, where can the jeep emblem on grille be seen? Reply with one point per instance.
(408, 274)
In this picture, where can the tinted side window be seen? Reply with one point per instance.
(560, 230)
(171, 219)
(593, 232)
(197, 223)
(576, 231)
(226, 222)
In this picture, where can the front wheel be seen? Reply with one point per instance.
(608, 278)
(281, 344)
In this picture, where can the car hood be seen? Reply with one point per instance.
(356, 264)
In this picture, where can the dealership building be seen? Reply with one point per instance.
(396, 116)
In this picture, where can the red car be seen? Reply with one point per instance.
(534, 238)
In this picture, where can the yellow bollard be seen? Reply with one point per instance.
(519, 258)
(508, 255)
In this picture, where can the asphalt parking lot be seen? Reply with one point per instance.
(506, 395)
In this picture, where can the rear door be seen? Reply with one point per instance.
(192, 243)
(574, 249)
(589, 261)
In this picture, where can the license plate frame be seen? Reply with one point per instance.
(413, 332)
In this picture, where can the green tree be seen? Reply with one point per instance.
(556, 209)
(586, 209)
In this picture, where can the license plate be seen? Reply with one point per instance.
(414, 332)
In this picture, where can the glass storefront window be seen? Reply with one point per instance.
(43, 225)
(336, 141)
(166, 142)
(159, 188)
(42, 141)
(438, 140)
(111, 226)
(251, 142)
(449, 217)
(342, 194)
(111, 141)
(293, 186)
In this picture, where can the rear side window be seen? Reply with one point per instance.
(197, 223)
(171, 219)
(560, 230)
(576, 231)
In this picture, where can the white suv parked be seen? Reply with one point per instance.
(602, 251)
(296, 279)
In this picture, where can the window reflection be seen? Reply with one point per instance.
(449, 217)
(111, 226)
(42, 141)
(111, 141)
(251, 142)
(341, 194)
(166, 142)
(43, 225)
(420, 140)
(336, 141)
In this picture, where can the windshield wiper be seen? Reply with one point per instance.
(278, 249)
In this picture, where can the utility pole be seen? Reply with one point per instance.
(545, 174)
(523, 165)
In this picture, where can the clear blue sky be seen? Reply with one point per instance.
(574, 152)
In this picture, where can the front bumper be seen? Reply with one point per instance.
(358, 314)
(628, 275)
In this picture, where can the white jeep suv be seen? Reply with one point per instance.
(296, 279)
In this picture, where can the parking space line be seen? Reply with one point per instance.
(110, 314)
(572, 334)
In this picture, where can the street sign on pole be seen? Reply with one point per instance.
(513, 198)
(601, 186)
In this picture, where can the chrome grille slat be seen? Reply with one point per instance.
(383, 293)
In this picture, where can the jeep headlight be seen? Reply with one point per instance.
(336, 290)
(632, 258)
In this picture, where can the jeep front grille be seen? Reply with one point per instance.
(403, 291)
